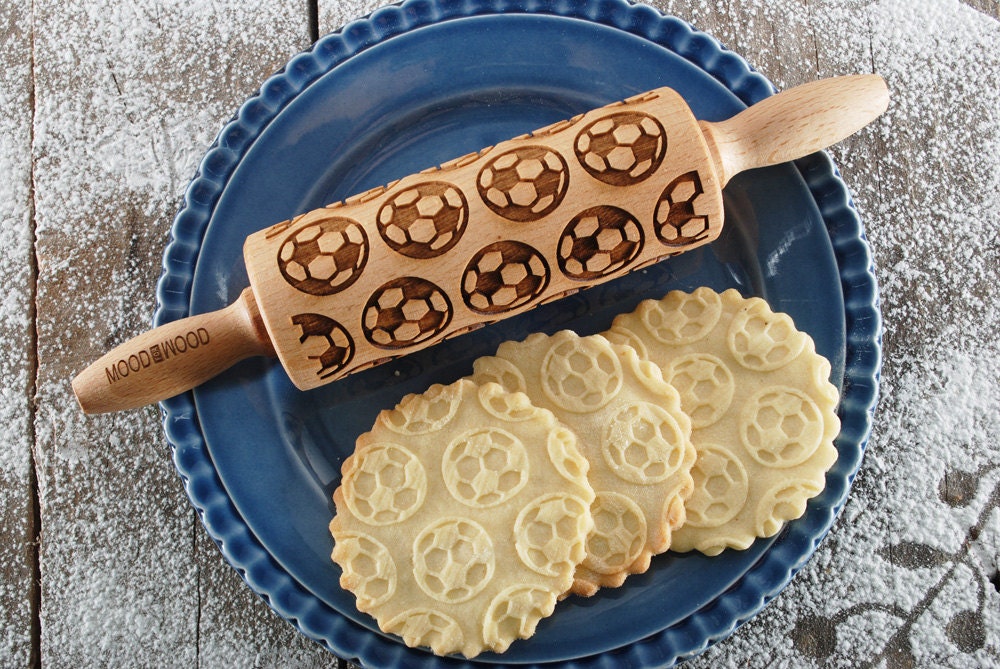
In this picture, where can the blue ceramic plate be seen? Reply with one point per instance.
(415, 85)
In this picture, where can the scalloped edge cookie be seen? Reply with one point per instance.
(461, 518)
(630, 428)
(762, 408)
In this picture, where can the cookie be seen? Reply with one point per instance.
(762, 408)
(631, 429)
(461, 518)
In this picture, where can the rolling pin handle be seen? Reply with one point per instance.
(173, 358)
(794, 123)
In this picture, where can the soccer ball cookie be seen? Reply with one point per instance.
(630, 427)
(461, 518)
(762, 409)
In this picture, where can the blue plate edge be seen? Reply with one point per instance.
(242, 549)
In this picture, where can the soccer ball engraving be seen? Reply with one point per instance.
(622, 148)
(386, 485)
(705, 385)
(514, 613)
(599, 242)
(368, 566)
(404, 312)
(781, 427)
(762, 340)
(721, 485)
(339, 345)
(524, 184)
(581, 374)
(676, 217)
(643, 444)
(502, 276)
(682, 318)
(485, 467)
(453, 560)
(425, 220)
(324, 257)
(619, 533)
(549, 533)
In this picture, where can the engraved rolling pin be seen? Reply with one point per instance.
(483, 237)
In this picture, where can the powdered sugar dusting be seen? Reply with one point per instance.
(128, 98)
(15, 336)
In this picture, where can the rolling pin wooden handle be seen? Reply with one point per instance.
(173, 358)
(795, 123)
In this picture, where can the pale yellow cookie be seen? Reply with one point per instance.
(762, 409)
(461, 518)
(630, 427)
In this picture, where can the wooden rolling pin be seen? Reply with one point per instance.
(483, 237)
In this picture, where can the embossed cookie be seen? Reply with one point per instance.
(762, 409)
(461, 518)
(631, 429)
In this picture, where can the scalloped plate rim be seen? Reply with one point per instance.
(289, 598)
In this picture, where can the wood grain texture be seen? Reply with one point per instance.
(483, 237)
(172, 358)
(18, 595)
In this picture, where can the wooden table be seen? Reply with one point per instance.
(105, 110)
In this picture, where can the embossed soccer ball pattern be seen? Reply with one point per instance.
(485, 467)
(404, 312)
(643, 444)
(324, 257)
(705, 385)
(720, 482)
(425, 413)
(453, 560)
(581, 378)
(683, 317)
(519, 608)
(619, 533)
(763, 341)
(372, 566)
(388, 486)
(781, 427)
(546, 533)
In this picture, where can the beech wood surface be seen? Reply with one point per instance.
(173, 358)
(485, 236)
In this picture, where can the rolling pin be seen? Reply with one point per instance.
(483, 237)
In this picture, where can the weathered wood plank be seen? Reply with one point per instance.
(129, 96)
(17, 552)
